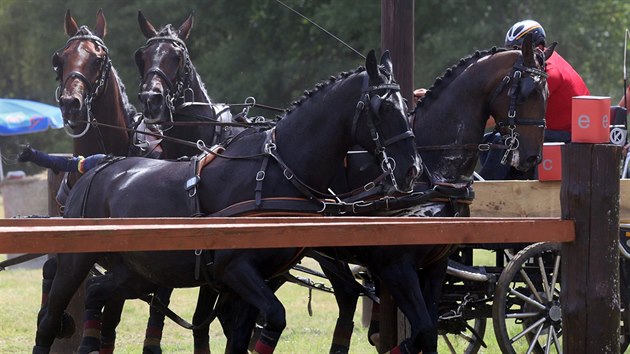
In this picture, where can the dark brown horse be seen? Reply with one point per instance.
(96, 113)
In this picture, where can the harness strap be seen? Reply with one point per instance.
(478, 147)
(105, 162)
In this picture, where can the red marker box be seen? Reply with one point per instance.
(590, 119)
(550, 168)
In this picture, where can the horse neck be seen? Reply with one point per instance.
(457, 116)
(107, 108)
(319, 131)
(193, 113)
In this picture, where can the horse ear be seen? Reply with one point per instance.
(101, 25)
(550, 50)
(70, 26)
(371, 66)
(184, 29)
(386, 61)
(145, 26)
(528, 51)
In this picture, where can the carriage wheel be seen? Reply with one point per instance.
(526, 310)
(465, 340)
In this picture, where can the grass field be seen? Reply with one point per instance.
(20, 297)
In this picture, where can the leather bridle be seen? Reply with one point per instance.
(181, 87)
(515, 77)
(93, 89)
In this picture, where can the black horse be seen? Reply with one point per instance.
(448, 125)
(172, 92)
(300, 156)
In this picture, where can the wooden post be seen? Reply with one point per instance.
(397, 36)
(77, 304)
(590, 265)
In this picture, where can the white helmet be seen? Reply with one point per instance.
(515, 35)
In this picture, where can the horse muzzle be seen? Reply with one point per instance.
(73, 110)
(155, 108)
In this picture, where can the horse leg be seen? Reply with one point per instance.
(403, 283)
(155, 324)
(96, 298)
(244, 279)
(111, 318)
(238, 319)
(109, 291)
(48, 275)
(374, 328)
(346, 297)
(201, 336)
(431, 281)
(65, 283)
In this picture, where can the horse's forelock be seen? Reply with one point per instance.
(84, 31)
(167, 31)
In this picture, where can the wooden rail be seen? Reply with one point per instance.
(154, 234)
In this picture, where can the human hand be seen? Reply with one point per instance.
(418, 94)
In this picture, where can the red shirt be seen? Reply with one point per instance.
(564, 83)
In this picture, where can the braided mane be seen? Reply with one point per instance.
(320, 87)
(453, 72)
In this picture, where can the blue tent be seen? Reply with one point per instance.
(24, 117)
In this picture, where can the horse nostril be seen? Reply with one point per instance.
(70, 103)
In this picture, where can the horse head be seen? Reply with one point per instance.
(165, 68)
(82, 68)
(518, 104)
(388, 131)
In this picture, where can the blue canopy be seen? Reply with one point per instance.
(24, 117)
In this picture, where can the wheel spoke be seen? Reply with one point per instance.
(534, 341)
(522, 315)
(556, 342)
(465, 337)
(549, 337)
(527, 330)
(449, 344)
(531, 285)
(554, 278)
(527, 299)
(543, 274)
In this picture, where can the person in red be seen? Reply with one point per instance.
(563, 83)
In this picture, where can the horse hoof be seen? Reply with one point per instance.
(151, 349)
(38, 349)
(68, 327)
(375, 339)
